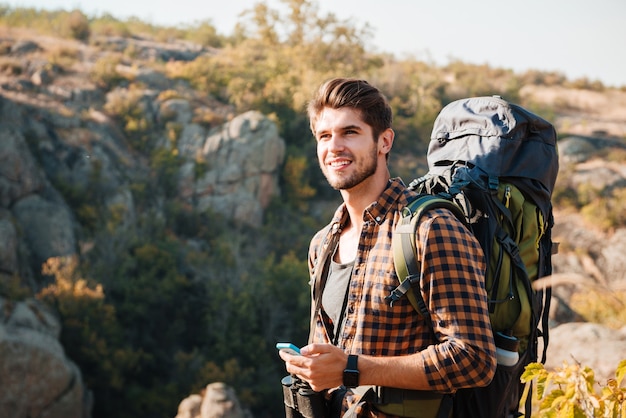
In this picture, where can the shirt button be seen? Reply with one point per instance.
(378, 219)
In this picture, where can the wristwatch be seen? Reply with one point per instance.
(351, 373)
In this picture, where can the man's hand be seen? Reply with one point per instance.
(321, 365)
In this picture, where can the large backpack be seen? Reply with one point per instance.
(494, 164)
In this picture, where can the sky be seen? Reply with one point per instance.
(578, 38)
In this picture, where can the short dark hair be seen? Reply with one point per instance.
(358, 94)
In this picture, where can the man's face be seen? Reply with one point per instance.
(346, 150)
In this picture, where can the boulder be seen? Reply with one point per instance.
(36, 377)
(217, 400)
(190, 407)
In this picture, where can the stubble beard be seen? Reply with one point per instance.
(362, 172)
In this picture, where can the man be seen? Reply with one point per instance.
(357, 337)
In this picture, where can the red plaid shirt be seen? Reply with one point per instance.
(452, 264)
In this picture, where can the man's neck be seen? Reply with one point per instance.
(360, 197)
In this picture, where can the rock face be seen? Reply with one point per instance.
(66, 151)
(242, 159)
(232, 169)
(36, 378)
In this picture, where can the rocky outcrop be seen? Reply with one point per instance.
(36, 377)
(242, 159)
(217, 400)
(589, 259)
(64, 154)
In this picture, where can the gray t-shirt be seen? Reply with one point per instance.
(334, 293)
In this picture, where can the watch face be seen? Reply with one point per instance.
(351, 378)
(351, 373)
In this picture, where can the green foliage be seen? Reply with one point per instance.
(215, 322)
(572, 391)
(414, 92)
(204, 33)
(104, 72)
(130, 107)
(165, 164)
(294, 177)
(160, 313)
(86, 199)
(288, 317)
(107, 25)
(73, 24)
(279, 59)
(481, 80)
(91, 333)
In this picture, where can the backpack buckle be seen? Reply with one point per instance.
(401, 289)
(493, 183)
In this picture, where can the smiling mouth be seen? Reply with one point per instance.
(339, 164)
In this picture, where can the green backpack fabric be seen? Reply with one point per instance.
(494, 164)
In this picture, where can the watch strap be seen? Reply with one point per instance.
(353, 362)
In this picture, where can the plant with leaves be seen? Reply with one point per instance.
(571, 391)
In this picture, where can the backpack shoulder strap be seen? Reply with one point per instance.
(404, 250)
(322, 264)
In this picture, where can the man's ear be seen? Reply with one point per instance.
(385, 140)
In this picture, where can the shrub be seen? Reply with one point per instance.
(606, 210)
(104, 72)
(296, 180)
(571, 391)
(128, 107)
(165, 164)
(63, 57)
(107, 25)
(76, 26)
(204, 33)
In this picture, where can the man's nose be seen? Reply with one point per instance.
(336, 142)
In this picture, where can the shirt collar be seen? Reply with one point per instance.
(377, 211)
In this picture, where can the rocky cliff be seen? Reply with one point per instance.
(55, 139)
